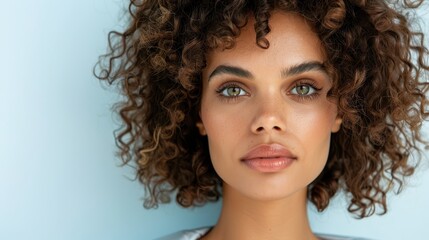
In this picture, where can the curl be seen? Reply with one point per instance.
(377, 61)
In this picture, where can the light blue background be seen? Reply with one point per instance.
(58, 174)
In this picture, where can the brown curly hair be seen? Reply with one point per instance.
(379, 68)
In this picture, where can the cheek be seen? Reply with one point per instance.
(227, 132)
(223, 129)
(316, 120)
(221, 123)
(220, 143)
(312, 129)
(216, 124)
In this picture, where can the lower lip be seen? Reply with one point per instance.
(268, 164)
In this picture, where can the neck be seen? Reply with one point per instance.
(245, 218)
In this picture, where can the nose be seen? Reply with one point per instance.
(269, 117)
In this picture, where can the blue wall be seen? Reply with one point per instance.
(58, 174)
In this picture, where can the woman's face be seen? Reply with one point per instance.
(266, 112)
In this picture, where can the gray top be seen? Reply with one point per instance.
(195, 234)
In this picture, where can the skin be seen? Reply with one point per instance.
(250, 103)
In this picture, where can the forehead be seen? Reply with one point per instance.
(292, 41)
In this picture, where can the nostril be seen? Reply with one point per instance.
(259, 129)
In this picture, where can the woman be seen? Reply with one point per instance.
(269, 104)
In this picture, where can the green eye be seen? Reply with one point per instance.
(303, 90)
(232, 91)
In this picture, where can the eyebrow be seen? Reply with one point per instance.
(286, 72)
(225, 69)
(304, 67)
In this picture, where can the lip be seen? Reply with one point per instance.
(268, 158)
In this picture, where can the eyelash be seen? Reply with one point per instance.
(310, 84)
(300, 98)
(226, 86)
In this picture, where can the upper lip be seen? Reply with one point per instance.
(268, 151)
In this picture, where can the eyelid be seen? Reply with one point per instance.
(305, 82)
(225, 85)
(230, 99)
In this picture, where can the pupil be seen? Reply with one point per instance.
(234, 91)
(303, 90)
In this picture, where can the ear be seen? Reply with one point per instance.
(337, 124)
(201, 128)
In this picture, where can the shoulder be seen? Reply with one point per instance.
(336, 237)
(192, 234)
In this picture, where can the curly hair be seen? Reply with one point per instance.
(377, 59)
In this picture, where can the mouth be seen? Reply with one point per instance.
(268, 158)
